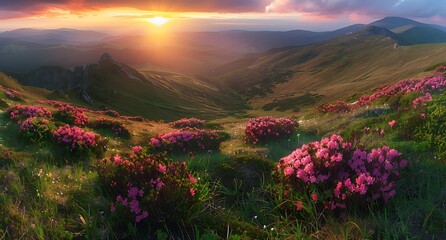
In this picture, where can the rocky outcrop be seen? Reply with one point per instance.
(82, 78)
(51, 78)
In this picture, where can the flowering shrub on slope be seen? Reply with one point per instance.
(12, 94)
(77, 139)
(149, 187)
(187, 123)
(421, 101)
(37, 129)
(185, 140)
(268, 128)
(424, 85)
(340, 175)
(339, 107)
(71, 115)
(118, 128)
(20, 112)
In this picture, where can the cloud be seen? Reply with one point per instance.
(404, 8)
(407, 8)
(220, 6)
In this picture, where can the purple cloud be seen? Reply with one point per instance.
(407, 8)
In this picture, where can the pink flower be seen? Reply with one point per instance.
(142, 216)
(288, 171)
(314, 197)
(299, 205)
(162, 168)
(392, 123)
(137, 149)
(192, 179)
(133, 192)
(192, 192)
(157, 184)
(112, 207)
(117, 159)
(423, 115)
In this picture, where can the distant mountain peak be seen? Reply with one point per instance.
(106, 57)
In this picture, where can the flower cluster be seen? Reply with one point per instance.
(421, 101)
(339, 107)
(21, 112)
(440, 69)
(71, 115)
(12, 94)
(76, 138)
(423, 85)
(118, 128)
(37, 129)
(149, 187)
(268, 128)
(187, 123)
(186, 140)
(340, 173)
(392, 123)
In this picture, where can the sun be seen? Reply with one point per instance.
(158, 21)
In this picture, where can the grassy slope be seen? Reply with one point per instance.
(46, 194)
(330, 70)
(167, 95)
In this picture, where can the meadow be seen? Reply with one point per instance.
(371, 169)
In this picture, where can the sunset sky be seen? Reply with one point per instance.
(116, 16)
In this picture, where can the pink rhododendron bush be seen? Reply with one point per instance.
(331, 174)
(262, 129)
(12, 94)
(187, 141)
(37, 129)
(116, 127)
(78, 140)
(71, 115)
(424, 86)
(21, 112)
(187, 123)
(149, 188)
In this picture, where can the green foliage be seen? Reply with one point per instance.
(434, 131)
(37, 130)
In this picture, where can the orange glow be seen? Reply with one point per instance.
(158, 21)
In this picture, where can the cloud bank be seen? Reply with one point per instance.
(404, 8)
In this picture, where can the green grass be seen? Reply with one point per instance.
(46, 193)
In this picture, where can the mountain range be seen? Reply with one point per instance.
(23, 50)
(231, 73)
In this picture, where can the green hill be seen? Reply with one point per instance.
(422, 35)
(298, 78)
(158, 94)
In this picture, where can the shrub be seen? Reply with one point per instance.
(186, 140)
(37, 129)
(71, 115)
(338, 107)
(187, 123)
(335, 176)
(77, 139)
(263, 129)
(434, 129)
(12, 94)
(20, 112)
(423, 85)
(149, 188)
(118, 128)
